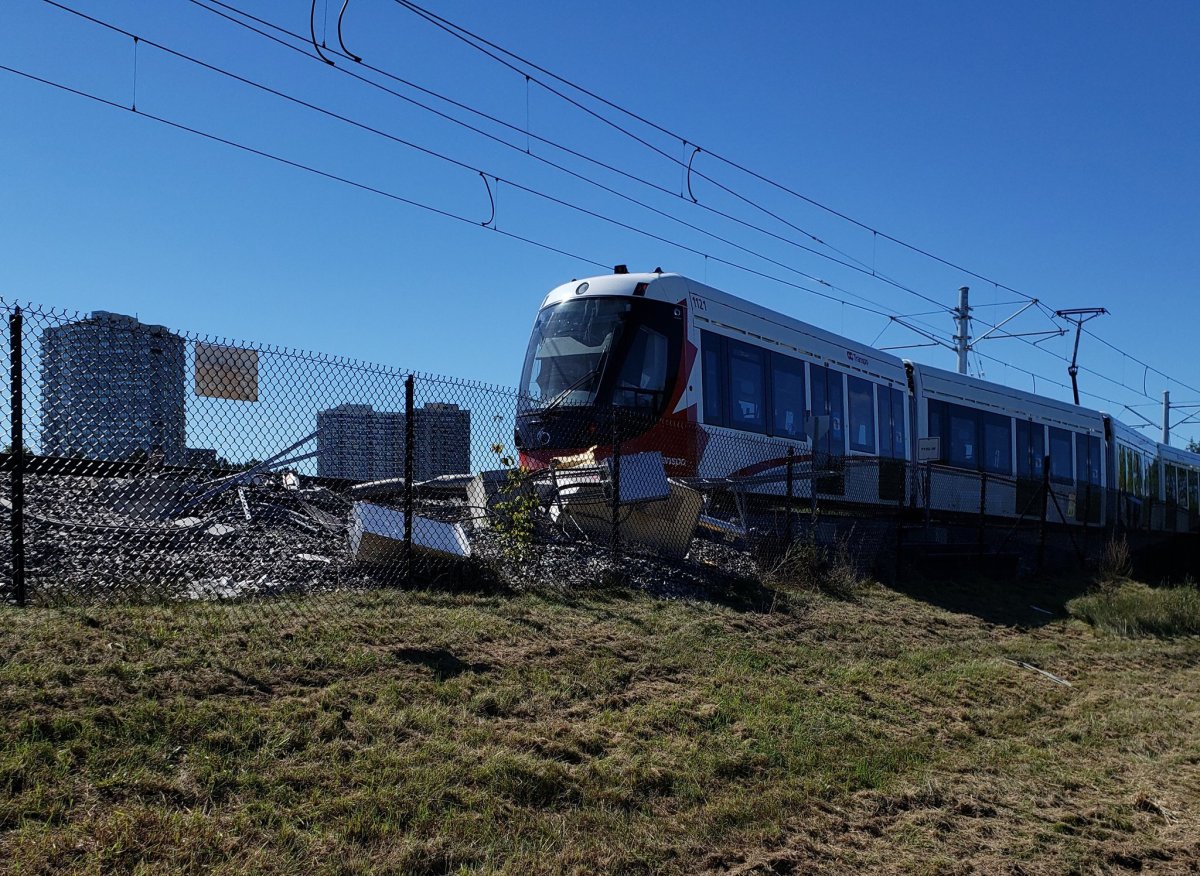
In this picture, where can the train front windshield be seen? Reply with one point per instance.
(588, 351)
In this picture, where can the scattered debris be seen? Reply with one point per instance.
(142, 498)
(1050, 675)
(280, 532)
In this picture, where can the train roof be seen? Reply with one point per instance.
(676, 289)
(1132, 437)
(977, 391)
(659, 287)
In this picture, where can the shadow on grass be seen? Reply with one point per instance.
(442, 663)
(997, 599)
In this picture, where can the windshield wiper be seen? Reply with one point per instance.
(562, 395)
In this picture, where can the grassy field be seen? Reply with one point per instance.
(421, 732)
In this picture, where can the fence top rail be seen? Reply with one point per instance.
(37, 315)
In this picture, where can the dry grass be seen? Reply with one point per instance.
(431, 733)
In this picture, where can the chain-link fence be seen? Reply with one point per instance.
(145, 463)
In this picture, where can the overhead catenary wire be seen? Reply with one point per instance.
(875, 307)
(262, 153)
(392, 195)
(527, 134)
(491, 48)
(466, 36)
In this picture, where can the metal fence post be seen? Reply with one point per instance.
(928, 490)
(791, 489)
(983, 479)
(409, 451)
(616, 491)
(1045, 493)
(16, 376)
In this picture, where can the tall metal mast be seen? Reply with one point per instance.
(962, 340)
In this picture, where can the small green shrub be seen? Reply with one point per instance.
(515, 515)
(1133, 609)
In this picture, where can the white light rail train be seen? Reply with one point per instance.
(724, 388)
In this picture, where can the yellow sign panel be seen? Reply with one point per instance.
(226, 372)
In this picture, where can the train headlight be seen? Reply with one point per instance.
(581, 288)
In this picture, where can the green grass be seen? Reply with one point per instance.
(435, 733)
(1133, 609)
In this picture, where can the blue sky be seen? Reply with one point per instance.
(1050, 146)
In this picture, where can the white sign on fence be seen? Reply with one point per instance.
(929, 449)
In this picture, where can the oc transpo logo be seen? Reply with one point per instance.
(855, 358)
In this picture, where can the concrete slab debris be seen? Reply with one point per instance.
(665, 526)
(643, 477)
(377, 535)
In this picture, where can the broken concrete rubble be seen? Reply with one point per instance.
(299, 539)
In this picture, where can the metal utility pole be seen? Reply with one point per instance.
(1078, 316)
(1166, 416)
(962, 340)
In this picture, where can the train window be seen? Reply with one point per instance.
(997, 444)
(891, 422)
(884, 404)
(714, 378)
(827, 401)
(964, 437)
(1062, 468)
(787, 395)
(1170, 483)
(1193, 491)
(862, 414)
(1152, 478)
(938, 423)
(1088, 460)
(1123, 469)
(1031, 450)
(747, 388)
(643, 380)
(936, 420)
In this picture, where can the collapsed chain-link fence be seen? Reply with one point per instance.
(142, 463)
